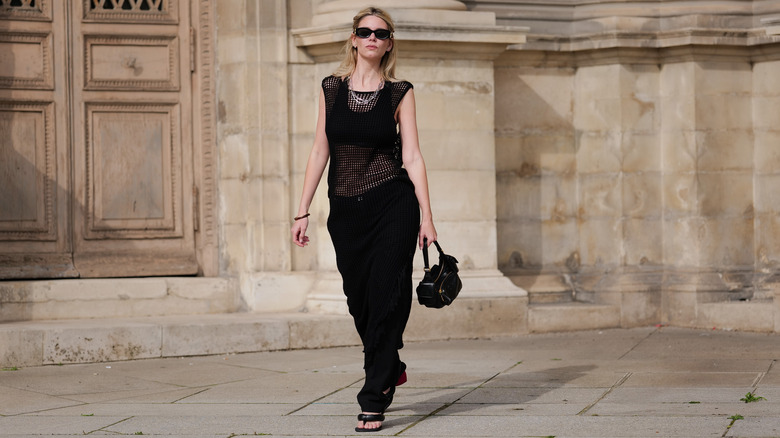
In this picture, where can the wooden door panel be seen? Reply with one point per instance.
(132, 63)
(132, 153)
(26, 60)
(34, 169)
(96, 147)
(134, 177)
(27, 172)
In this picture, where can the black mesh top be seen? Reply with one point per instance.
(363, 137)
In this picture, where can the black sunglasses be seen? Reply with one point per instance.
(364, 32)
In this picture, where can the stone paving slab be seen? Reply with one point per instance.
(171, 410)
(644, 382)
(584, 376)
(656, 366)
(512, 410)
(772, 378)
(764, 427)
(685, 409)
(692, 380)
(558, 426)
(403, 407)
(404, 396)
(533, 395)
(676, 395)
(54, 425)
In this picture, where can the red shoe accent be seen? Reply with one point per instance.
(401, 379)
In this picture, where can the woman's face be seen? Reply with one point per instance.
(372, 47)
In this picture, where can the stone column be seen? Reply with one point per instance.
(253, 145)
(766, 107)
(447, 53)
(709, 213)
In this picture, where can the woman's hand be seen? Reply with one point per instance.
(298, 230)
(427, 231)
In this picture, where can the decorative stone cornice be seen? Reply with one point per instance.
(443, 41)
(573, 25)
(337, 11)
(639, 56)
(772, 25)
(437, 28)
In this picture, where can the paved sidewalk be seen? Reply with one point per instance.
(647, 382)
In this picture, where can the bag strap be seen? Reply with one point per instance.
(425, 252)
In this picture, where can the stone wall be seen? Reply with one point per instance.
(634, 163)
(252, 103)
(613, 153)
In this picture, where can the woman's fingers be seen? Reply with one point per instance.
(299, 235)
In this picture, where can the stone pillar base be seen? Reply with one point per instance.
(488, 305)
(281, 291)
(721, 300)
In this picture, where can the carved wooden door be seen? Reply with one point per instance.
(98, 148)
(34, 138)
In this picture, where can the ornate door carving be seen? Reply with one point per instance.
(96, 139)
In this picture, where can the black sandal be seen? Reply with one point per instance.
(369, 418)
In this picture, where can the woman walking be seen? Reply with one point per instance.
(379, 203)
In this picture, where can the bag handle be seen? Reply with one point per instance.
(425, 252)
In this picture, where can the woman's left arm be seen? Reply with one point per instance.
(415, 165)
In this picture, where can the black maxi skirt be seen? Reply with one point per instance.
(375, 236)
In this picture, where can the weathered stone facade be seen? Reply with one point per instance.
(634, 161)
(636, 153)
(591, 163)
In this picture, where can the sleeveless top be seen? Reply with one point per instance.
(364, 143)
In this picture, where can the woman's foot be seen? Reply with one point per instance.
(369, 422)
(372, 422)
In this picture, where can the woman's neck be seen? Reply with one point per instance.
(365, 77)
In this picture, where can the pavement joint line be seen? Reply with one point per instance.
(621, 381)
(758, 379)
(638, 343)
(21, 414)
(446, 405)
(191, 395)
(320, 398)
(728, 428)
(112, 424)
(443, 407)
(763, 374)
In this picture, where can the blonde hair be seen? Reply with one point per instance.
(386, 66)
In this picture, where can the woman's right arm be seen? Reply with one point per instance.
(315, 166)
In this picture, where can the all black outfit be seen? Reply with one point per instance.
(374, 221)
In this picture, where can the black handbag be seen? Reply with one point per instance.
(440, 284)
